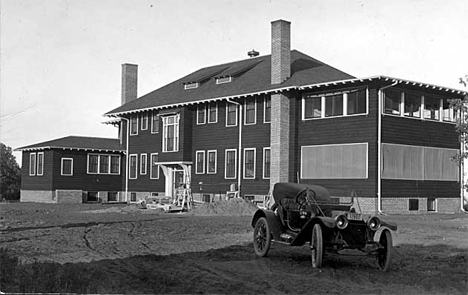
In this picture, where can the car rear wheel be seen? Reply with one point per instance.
(316, 246)
(262, 237)
(384, 254)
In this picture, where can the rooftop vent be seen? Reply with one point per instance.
(253, 53)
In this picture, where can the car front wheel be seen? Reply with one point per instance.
(262, 237)
(316, 246)
(384, 254)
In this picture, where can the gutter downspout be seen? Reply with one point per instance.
(126, 158)
(379, 146)
(240, 146)
(462, 168)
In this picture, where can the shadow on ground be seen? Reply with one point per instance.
(437, 269)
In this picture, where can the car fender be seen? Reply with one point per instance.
(389, 225)
(304, 236)
(275, 226)
(379, 232)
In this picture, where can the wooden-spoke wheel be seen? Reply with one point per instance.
(262, 237)
(384, 254)
(316, 246)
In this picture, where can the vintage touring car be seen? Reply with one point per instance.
(307, 214)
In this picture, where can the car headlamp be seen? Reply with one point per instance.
(341, 221)
(374, 223)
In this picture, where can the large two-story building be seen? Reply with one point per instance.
(248, 124)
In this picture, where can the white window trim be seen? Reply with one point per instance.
(136, 128)
(263, 166)
(345, 106)
(235, 163)
(176, 134)
(110, 164)
(61, 166)
(41, 172)
(245, 113)
(208, 113)
(151, 166)
(142, 118)
(136, 166)
(203, 162)
(236, 115)
(339, 144)
(143, 164)
(204, 114)
(264, 108)
(220, 81)
(32, 170)
(191, 85)
(254, 163)
(152, 123)
(87, 164)
(215, 163)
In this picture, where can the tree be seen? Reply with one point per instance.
(10, 174)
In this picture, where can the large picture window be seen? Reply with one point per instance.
(171, 133)
(418, 163)
(336, 161)
(231, 114)
(249, 163)
(250, 112)
(231, 164)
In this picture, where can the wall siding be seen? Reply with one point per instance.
(40, 183)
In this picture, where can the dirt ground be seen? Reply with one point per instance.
(147, 251)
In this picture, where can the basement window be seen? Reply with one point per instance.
(191, 85)
(222, 80)
(413, 204)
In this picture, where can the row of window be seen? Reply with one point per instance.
(206, 162)
(153, 166)
(103, 164)
(36, 164)
(142, 120)
(415, 105)
(344, 103)
(208, 113)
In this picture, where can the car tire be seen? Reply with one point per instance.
(384, 254)
(316, 246)
(262, 237)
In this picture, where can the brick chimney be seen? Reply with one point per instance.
(280, 51)
(280, 115)
(129, 82)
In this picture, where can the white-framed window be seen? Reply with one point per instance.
(431, 204)
(32, 164)
(250, 112)
(144, 121)
(335, 161)
(412, 104)
(190, 85)
(154, 123)
(411, 162)
(266, 162)
(230, 171)
(134, 125)
(213, 112)
(267, 109)
(211, 165)
(40, 164)
(103, 164)
(133, 166)
(222, 80)
(201, 114)
(67, 167)
(200, 162)
(231, 114)
(154, 173)
(392, 101)
(249, 163)
(143, 164)
(432, 106)
(350, 102)
(171, 133)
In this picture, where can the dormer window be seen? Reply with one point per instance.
(221, 80)
(191, 85)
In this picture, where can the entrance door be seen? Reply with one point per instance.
(178, 180)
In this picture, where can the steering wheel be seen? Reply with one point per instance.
(305, 198)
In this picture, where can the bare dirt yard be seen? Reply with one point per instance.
(123, 249)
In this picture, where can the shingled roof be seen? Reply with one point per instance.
(78, 143)
(250, 76)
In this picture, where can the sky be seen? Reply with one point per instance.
(60, 60)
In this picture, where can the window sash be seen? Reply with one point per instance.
(171, 133)
(201, 114)
(144, 122)
(213, 112)
(250, 112)
(211, 162)
(114, 164)
(412, 105)
(154, 174)
(67, 167)
(154, 123)
(249, 163)
(104, 164)
(266, 163)
(40, 164)
(231, 164)
(357, 102)
(334, 105)
(133, 166)
(32, 164)
(431, 108)
(231, 114)
(200, 162)
(392, 102)
(93, 161)
(267, 109)
(143, 164)
(134, 125)
(312, 107)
